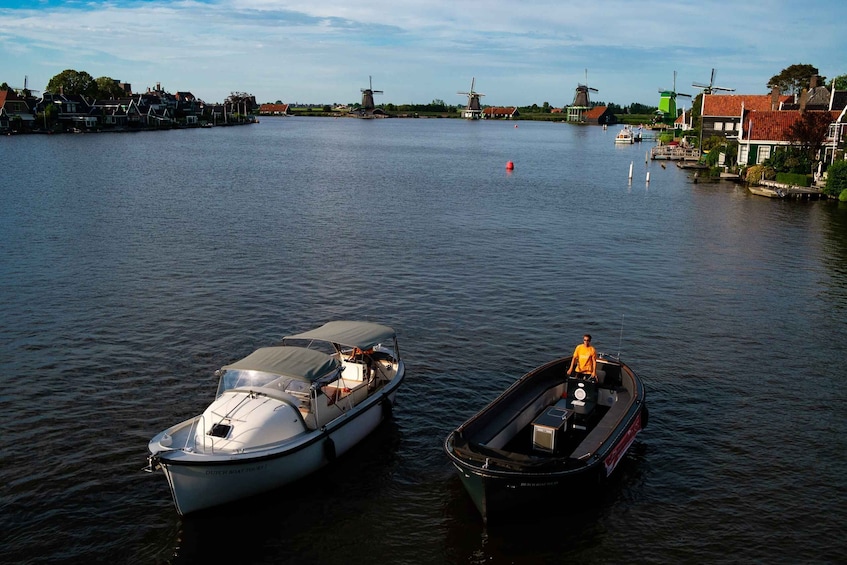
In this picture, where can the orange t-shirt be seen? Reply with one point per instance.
(586, 358)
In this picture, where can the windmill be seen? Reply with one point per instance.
(580, 97)
(25, 90)
(708, 88)
(581, 101)
(368, 96)
(667, 103)
(473, 110)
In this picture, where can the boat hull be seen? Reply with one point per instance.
(198, 483)
(496, 495)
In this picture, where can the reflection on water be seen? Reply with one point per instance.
(125, 287)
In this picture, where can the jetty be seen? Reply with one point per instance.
(674, 153)
(773, 189)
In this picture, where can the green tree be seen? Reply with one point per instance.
(794, 78)
(840, 82)
(72, 82)
(836, 178)
(108, 88)
(4, 86)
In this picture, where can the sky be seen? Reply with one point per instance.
(418, 51)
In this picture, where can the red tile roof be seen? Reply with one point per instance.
(499, 111)
(730, 104)
(594, 113)
(273, 108)
(773, 125)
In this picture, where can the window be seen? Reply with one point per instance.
(763, 154)
(718, 126)
(742, 154)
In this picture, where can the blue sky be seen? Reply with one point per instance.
(323, 51)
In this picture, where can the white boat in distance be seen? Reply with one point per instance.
(625, 136)
(282, 413)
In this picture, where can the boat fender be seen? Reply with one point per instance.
(386, 408)
(329, 449)
(645, 415)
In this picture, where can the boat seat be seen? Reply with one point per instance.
(353, 371)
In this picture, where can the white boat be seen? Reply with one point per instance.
(625, 136)
(281, 413)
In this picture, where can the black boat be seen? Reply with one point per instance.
(548, 434)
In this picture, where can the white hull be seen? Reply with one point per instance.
(201, 482)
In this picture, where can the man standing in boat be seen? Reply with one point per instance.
(584, 358)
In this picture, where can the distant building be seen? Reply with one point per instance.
(599, 115)
(274, 110)
(500, 113)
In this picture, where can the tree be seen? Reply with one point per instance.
(840, 82)
(836, 178)
(108, 87)
(72, 82)
(809, 133)
(794, 78)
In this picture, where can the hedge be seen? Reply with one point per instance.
(794, 179)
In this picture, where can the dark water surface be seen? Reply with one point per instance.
(133, 266)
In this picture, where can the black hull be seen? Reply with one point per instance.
(500, 480)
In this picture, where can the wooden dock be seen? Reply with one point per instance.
(674, 153)
(773, 189)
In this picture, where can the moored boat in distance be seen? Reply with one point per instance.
(281, 413)
(625, 136)
(548, 436)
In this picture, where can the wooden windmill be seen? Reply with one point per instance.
(667, 103)
(708, 88)
(581, 101)
(473, 111)
(368, 96)
(581, 97)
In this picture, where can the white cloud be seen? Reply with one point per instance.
(419, 51)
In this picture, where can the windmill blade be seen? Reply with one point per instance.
(723, 88)
(593, 90)
(698, 85)
(712, 79)
(681, 94)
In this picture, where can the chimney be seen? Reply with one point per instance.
(774, 98)
(813, 82)
(804, 99)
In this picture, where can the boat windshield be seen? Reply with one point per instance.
(237, 378)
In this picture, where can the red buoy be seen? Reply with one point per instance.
(510, 166)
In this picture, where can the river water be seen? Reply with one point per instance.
(133, 266)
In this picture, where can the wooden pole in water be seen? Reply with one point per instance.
(648, 177)
(630, 170)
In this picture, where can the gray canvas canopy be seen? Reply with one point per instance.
(293, 362)
(363, 335)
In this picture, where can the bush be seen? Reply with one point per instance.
(794, 179)
(836, 178)
(843, 196)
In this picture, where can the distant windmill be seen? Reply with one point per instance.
(667, 102)
(368, 95)
(708, 88)
(580, 97)
(25, 89)
(473, 110)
